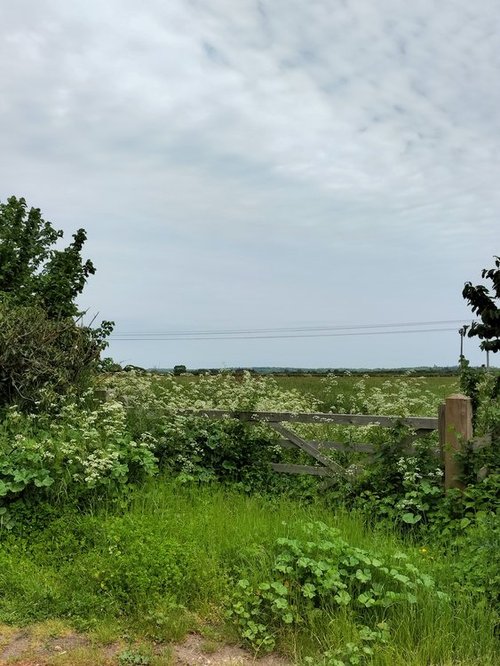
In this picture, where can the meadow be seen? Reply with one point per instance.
(319, 387)
(133, 527)
(312, 385)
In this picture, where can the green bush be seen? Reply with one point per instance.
(71, 453)
(41, 358)
(477, 550)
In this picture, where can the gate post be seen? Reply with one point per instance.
(455, 429)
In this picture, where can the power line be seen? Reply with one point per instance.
(280, 336)
(282, 330)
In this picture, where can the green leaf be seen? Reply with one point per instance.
(309, 591)
(363, 576)
(366, 600)
(342, 598)
(280, 603)
(279, 588)
(410, 518)
(44, 483)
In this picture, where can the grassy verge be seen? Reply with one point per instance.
(170, 561)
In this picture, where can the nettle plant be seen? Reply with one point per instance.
(322, 573)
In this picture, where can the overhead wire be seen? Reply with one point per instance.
(290, 332)
(289, 329)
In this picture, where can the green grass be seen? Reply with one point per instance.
(167, 564)
(311, 385)
(314, 386)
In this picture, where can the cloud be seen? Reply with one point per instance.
(353, 130)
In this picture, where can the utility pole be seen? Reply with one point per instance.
(462, 332)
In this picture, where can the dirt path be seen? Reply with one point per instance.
(29, 648)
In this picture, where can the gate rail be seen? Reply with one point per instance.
(454, 424)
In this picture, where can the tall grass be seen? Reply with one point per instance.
(168, 563)
(309, 385)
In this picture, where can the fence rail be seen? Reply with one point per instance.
(454, 424)
(424, 423)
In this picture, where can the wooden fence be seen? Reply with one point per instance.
(454, 424)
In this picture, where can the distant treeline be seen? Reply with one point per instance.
(434, 371)
(422, 371)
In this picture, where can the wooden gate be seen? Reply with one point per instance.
(454, 423)
(324, 465)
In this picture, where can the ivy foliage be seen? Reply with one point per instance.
(486, 305)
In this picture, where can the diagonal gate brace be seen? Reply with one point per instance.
(333, 467)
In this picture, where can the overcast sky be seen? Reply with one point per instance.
(263, 164)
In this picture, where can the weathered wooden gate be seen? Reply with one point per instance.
(454, 423)
(324, 465)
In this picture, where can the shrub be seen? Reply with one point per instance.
(42, 357)
(68, 454)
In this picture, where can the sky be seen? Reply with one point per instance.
(301, 170)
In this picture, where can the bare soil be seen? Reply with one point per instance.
(24, 648)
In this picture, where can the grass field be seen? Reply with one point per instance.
(315, 386)
(169, 564)
(322, 391)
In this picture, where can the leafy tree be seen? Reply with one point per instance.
(486, 305)
(32, 272)
(43, 351)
